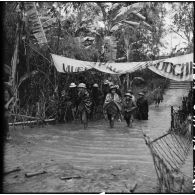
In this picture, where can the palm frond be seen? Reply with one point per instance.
(140, 16)
(116, 27)
(147, 25)
(135, 24)
(124, 11)
(115, 6)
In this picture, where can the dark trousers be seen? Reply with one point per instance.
(127, 117)
(142, 115)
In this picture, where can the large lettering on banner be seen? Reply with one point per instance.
(177, 68)
(71, 69)
(68, 65)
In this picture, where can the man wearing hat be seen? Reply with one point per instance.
(142, 105)
(106, 88)
(128, 107)
(84, 99)
(97, 96)
(72, 93)
(71, 99)
(133, 97)
(112, 97)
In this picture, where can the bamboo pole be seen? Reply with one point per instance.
(15, 57)
(25, 116)
(30, 122)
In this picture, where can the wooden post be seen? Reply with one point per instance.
(15, 57)
(127, 78)
(27, 45)
(172, 118)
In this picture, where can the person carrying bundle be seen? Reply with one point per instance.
(112, 105)
(84, 103)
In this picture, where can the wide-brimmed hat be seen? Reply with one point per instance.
(128, 94)
(72, 85)
(141, 93)
(82, 85)
(95, 85)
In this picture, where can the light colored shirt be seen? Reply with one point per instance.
(112, 97)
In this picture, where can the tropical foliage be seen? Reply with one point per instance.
(183, 26)
(91, 31)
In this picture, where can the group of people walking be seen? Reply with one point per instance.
(127, 106)
(111, 101)
(110, 98)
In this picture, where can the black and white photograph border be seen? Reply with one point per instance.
(98, 97)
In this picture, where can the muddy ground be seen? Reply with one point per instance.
(35, 149)
(98, 159)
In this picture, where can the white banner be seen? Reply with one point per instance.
(176, 68)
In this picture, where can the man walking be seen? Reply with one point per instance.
(128, 108)
(142, 105)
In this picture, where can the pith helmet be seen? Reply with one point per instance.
(82, 85)
(72, 85)
(128, 94)
(106, 82)
(141, 93)
(95, 85)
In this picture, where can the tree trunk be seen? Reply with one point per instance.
(27, 52)
(14, 62)
(128, 59)
(56, 75)
(15, 57)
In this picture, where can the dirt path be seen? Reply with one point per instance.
(109, 160)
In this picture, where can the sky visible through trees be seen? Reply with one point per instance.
(172, 39)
